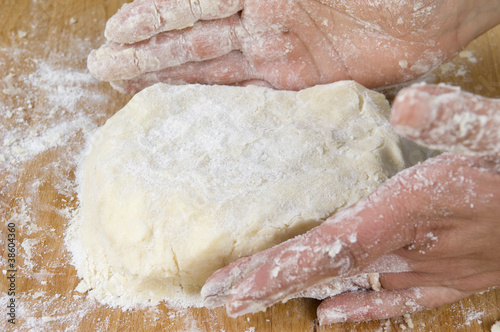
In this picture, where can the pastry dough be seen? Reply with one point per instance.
(186, 179)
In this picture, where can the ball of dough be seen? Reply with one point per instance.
(186, 179)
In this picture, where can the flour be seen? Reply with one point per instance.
(47, 111)
(63, 91)
(43, 116)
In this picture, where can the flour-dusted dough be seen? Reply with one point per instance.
(186, 179)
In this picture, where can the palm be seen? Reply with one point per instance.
(324, 41)
(288, 44)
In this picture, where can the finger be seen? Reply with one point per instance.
(143, 19)
(231, 68)
(446, 118)
(288, 70)
(310, 261)
(390, 265)
(370, 305)
(204, 41)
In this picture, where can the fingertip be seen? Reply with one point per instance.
(345, 307)
(331, 315)
(219, 286)
(113, 30)
(416, 108)
(215, 291)
(113, 62)
(95, 66)
(411, 108)
(251, 294)
(446, 118)
(133, 22)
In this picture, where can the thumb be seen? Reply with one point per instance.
(449, 119)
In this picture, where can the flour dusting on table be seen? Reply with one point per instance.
(48, 107)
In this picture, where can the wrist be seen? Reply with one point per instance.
(477, 17)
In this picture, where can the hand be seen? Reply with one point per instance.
(285, 44)
(439, 220)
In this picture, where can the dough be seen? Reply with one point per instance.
(186, 179)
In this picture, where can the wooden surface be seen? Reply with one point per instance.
(43, 85)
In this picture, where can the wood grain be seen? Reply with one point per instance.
(32, 195)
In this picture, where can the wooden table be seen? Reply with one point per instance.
(49, 104)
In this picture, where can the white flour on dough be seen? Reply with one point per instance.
(186, 179)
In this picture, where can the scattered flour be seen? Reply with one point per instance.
(46, 111)
(47, 107)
